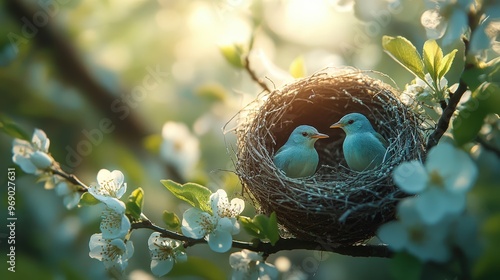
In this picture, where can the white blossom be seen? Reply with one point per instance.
(164, 253)
(423, 98)
(179, 148)
(69, 192)
(410, 233)
(434, 24)
(421, 91)
(441, 184)
(225, 209)
(217, 228)
(114, 253)
(110, 187)
(250, 265)
(114, 223)
(33, 157)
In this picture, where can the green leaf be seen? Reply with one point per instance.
(482, 72)
(468, 122)
(297, 68)
(233, 54)
(135, 203)
(252, 229)
(445, 64)
(432, 55)
(262, 227)
(471, 77)
(405, 53)
(137, 196)
(194, 194)
(12, 129)
(171, 220)
(198, 267)
(263, 223)
(488, 95)
(273, 230)
(405, 267)
(88, 200)
(484, 100)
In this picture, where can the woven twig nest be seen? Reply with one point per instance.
(336, 205)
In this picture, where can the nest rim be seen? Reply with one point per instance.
(332, 204)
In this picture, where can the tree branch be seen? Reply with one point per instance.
(442, 103)
(445, 119)
(73, 70)
(473, 17)
(266, 248)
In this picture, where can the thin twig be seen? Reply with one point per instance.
(71, 178)
(267, 248)
(252, 73)
(254, 77)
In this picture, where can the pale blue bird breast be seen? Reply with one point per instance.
(363, 151)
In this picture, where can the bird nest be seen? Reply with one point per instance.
(337, 205)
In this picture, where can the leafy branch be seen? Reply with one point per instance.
(436, 65)
(239, 56)
(267, 248)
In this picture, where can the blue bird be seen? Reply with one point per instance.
(363, 147)
(298, 157)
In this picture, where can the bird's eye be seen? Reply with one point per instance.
(350, 121)
(304, 134)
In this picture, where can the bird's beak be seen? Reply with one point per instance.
(337, 125)
(319, 136)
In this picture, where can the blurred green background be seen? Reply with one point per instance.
(66, 65)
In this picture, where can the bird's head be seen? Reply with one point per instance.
(306, 135)
(353, 123)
